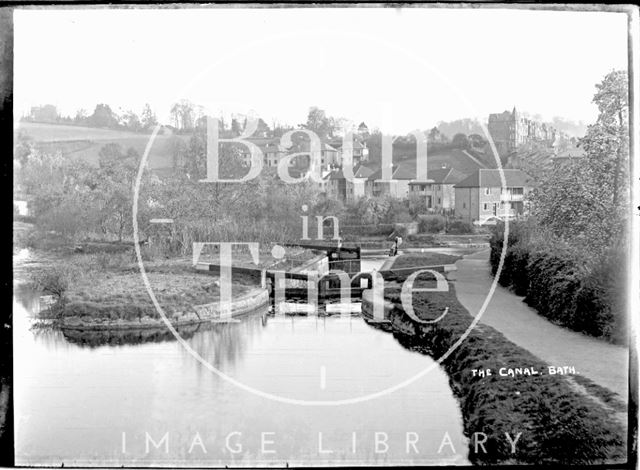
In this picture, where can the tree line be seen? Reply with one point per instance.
(102, 116)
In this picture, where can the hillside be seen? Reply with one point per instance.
(85, 142)
(450, 158)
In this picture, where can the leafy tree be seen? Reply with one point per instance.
(131, 121)
(183, 115)
(608, 138)
(586, 203)
(417, 205)
(460, 141)
(461, 126)
(372, 210)
(236, 129)
(103, 116)
(148, 119)
(81, 116)
(318, 122)
(435, 136)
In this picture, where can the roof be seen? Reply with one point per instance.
(305, 146)
(408, 172)
(405, 172)
(484, 178)
(377, 175)
(573, 152)
(363, 171)
(334, 175)
(445, 176)
(359, 172)
(337, 143)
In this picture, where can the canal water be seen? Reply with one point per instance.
(110, 399)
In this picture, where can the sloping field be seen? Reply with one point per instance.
(453, 158)
(85, 142)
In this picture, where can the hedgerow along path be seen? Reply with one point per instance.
(604, 363)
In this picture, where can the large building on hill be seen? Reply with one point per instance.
(481, 196)
(510, 129)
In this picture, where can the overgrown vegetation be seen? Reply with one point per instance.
(459, 227)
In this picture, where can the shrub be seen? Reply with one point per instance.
(562, 284)
(459, 227)
(554, 281)
(600, 303)
(54, 280)
(400, 230)
(417, 204)
(431, 223)
(397, 212)
(353, 232)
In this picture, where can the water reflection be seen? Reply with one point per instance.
(79, 393)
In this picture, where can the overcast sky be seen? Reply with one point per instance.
(398, 69)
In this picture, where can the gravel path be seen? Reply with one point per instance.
(605, 364)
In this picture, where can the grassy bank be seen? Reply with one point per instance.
(97, 284)
(90, 291)
(423, 259)
(558, 424)
(107, 290)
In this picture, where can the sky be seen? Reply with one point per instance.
(397, 69)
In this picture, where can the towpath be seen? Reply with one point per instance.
(605, 364)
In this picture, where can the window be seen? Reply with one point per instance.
(485, 206)
(487, 191)
(464, 205)
(439, 202)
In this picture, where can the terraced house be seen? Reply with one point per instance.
(481, 196)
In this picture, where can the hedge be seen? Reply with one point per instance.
(431, 223)
(558, 424)
(557, 281)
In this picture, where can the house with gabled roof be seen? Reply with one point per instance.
(397, 187)
(481, 196)
(335, 185)
(438, 189)
(360, 151)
